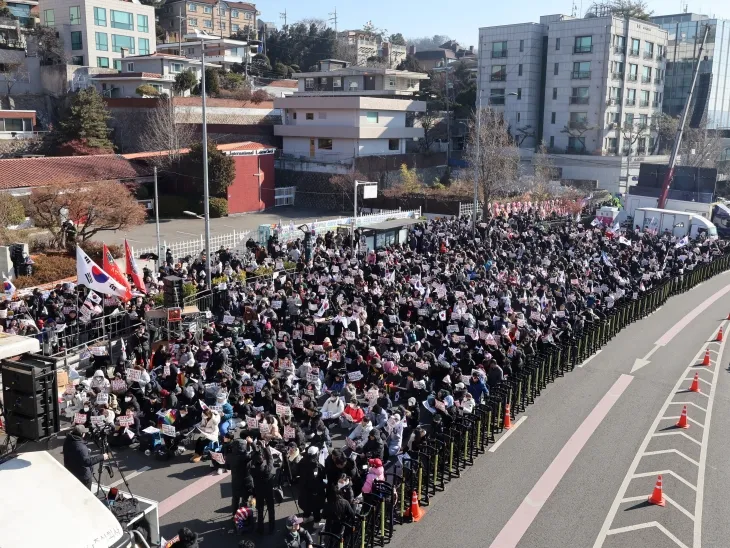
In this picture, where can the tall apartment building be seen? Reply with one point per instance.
(712, 94)
(98, 33)
(580, 86)
(220, 18)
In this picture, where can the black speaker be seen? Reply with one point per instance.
(30, 396)
(172, 292)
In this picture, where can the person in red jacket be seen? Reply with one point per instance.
(352, 414)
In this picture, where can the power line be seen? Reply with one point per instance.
(282, 15)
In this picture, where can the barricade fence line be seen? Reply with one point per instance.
(450, 451)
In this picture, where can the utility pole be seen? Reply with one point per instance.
(206, 192)
(449, 86)
(478, 141)
(333, 18)
(180, 18)
(282, 15)
(160, 255)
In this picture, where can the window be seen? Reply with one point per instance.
(102, 62)
(321, 115)
(518, 116)
(578, 120)
(641, 145)
(519, 94)
(176, 67)
(576, 144)
(552, 141)
(234, 13)
(644, 99)
(556, 69)
(499, 49)
(208, 24)
(552, 117)
(337, 82)
(100, 17)
(192, 7)
(619, 43)
(248, 15)
(581, 70)
(130, 67)
(76, 42)
(77, 60)
(496, 96)
(659, 51)
(144, 46)
(635, 45)
(499, 73)
(207, 9)
(644, 120)
(519, 70)
(630, 97)
(583, 44)
(309, 116)
(74, 15)
(611, 144)
(118, 64)
(234, 28)
(142, 23)
(393, 144)
(221, 25)
(613, 117)
(633, 72)
(221, 9)
(645, 75)
(522, 46)
(193, 22)
(102, 42)
(648, 50)
(49, 18)
(617, 69)
(629, 120)
(121, 20)
(555, 93)
(579, 96)
(191, 51)
(557, 44)
(119, 42)
(324, 144)
(373, 117)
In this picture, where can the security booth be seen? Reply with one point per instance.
(393, 232)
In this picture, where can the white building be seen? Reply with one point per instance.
(580, 86)
(222, 51)
(337, 115)
(99, 33)
(366, 46)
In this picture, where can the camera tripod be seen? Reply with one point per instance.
(102, 442)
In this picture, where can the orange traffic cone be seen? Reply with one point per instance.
(706, 359)
(415, 512)
(695, 383)
(657, 497)
(682, 423)
(507, 418)
(719, 335)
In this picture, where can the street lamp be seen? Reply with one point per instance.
(193, 214)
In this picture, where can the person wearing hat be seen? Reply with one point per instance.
(312, 486)
(77, 457)
(375, 472)
(296, 537)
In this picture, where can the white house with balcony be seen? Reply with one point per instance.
(158, 70)
(343, 113)
(223, 51)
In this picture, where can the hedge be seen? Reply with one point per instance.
(218, 207)
(48, 269)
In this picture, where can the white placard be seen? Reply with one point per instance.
(79, 418)
(168, 430)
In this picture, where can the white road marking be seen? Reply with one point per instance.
(666, 473)
(689, 403)
(641, 362)
(187, 233)
(508, 433)
(590, 358)
(642, 452)
(128, 477)
(667, 498)
(640, 526)
(677, 433)
(689, 419)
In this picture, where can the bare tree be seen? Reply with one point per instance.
(577, 130)
(430, 122)
(631, 134)
(165, 132)
(492, 156)
(664, 127)
(523, 133)
(635, 9)
(48, 45)
(701, 147)
(11, 73)
(345, 51)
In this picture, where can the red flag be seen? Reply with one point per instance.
(133, 270)
(111, 268)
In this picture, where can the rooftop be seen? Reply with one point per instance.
(111, 76)
(37, 172)
(234, 5)
(363, 71)
(225, 147)
(434, 54)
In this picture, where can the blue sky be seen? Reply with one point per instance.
(459, 20)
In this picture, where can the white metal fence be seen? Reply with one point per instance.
(235, 240)
(468, 209)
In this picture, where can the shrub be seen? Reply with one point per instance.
(48, 269)
(289, 265)
(263, 271)
(95, 250)
(158, 299)
(12, 211)
(189, 290)
(218, 207)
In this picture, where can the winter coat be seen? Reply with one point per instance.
(77, 458)
(374, 473)
(476, 389)
(238, 462)
(395, 438)
(209, 427)
(333, 408)
(311, 481)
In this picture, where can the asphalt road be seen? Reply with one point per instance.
(577, 470)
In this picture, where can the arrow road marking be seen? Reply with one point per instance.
(641, 362)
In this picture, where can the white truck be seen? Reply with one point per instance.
(45, 505)
(679, 223)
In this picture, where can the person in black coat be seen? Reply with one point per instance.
(186, 539)
(238, 462)
(262, 470)
(312, 487)
(77, 458)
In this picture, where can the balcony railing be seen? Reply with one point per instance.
(621, 50)
(579, 100)
(501, 77)
(617, 75)
(630, 102)
(499, 54)
(655, 104)
(496, 100)
(578, 124)
(613, 101)
(660, 56)
(632, 78)
(646, 79)
(581, 75)
(648, 55)
(582, 49)
(644, 104)
(611, 150)
(658, 80)
(633, 53)
(641, 150)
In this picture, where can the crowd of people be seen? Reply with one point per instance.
(321, 377)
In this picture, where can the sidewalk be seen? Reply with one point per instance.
(174, 230)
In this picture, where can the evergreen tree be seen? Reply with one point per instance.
(221, 169)
(85, 120)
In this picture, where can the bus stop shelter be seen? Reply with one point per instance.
(387, 233)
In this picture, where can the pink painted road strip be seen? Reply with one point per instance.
(187, 493)
(517, 526)
(677, 328)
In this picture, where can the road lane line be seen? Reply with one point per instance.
(678, 327)
(517, 526)
(648, 525)
(507, 434)
(669, 452)
(656, 473)
(693, 404)
(590, 358)
(188, 492)
(130, 476)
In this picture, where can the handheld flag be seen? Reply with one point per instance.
(111, 267)
(8, 287)
(133, 269)
(683, 242)
(93, 277)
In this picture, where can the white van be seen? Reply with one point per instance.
(45, 505)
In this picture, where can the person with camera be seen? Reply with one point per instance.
(262, 470)
(77, 457)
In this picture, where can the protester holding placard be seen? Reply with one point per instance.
(208, 429)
